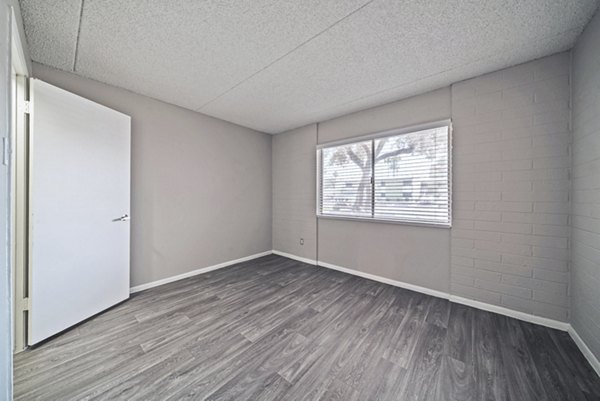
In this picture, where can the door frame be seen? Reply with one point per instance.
(18, 176)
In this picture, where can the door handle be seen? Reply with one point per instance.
(125, 217)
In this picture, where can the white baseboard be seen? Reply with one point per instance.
(585, 350)
(527, 317)
(298, 258)
(554, 324)
(384, 280)
(156, 283)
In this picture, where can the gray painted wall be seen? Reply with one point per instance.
(511, 188)
(585, 281)
(511, 163)
(201, 187)
(294, 169)
(5, 270)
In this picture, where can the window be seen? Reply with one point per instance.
(400, 176)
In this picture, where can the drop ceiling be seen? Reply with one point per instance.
(276, 65)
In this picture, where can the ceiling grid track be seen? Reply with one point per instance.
(78, 34)
(286, 54)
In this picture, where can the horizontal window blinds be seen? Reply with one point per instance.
(411, 177)
(346, 180)
(403, 177)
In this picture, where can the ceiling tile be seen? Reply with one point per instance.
(51, 30)
(394, 49)
(189, 52)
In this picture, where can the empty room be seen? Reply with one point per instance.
(312, 200)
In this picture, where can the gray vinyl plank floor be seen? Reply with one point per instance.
(276, 329)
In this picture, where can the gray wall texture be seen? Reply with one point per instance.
(585, 254)
(509, 244)
(294, 169)
(201, 187)
(510, 236)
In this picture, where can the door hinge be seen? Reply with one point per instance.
(24, 304)
(26, 107)
(5, 151)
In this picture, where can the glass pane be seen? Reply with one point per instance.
(346, 180)
(411, 177)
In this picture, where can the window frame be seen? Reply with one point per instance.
(377, 135)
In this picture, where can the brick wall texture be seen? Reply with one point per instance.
(511, 158)
(585, 250)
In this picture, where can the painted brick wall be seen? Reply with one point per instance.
(585, 278)
(510, 237)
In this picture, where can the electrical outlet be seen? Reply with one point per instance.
(301, 241)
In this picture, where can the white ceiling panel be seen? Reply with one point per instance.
(51, 30)
(275, 65)
(391, 50)
(189, 52)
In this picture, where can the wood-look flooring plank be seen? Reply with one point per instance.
(125, 383)
(273, 388)
(326, 338)
(420, 381)
(459, 340)
(456, 381)
(489, 367)
(555, 379)
(96, 349)
(339, 391)
(65, 383)
(575, 363)
(243, 384)
(205, 385)
(331, 355)
(378, 333)
(522, 378)
(439, 312)
(405, 339)
(200, 372)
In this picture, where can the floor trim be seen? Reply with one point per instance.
(527, 317)
(554, 324)
(298, 258)
(585, 350)
(156, 283)
(401, 284)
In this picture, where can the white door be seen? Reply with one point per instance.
(79, 209)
